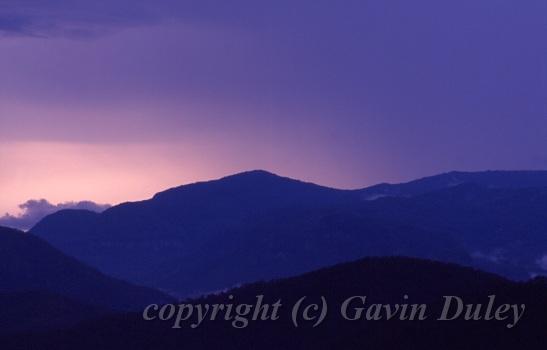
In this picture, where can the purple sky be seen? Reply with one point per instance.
(113, 100)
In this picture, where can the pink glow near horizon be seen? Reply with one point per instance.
(119, 172)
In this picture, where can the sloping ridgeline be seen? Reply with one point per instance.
(30, 266)
(256, 225)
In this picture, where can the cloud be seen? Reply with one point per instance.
(34, 210)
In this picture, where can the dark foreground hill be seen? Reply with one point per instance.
(28, 311)
(382, 280)
(256, 225)
(28, 264)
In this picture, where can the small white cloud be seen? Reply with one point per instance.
(35, 210)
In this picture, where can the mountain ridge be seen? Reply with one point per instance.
(271, 226)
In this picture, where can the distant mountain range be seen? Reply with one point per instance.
(381, 280)
(489, 179)
(38, 282)
(256, 225)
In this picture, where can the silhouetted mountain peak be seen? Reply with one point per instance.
(254, 179)
(256, 173)
(255, 183)
(266, 178)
